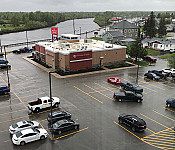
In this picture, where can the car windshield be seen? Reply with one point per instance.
(18, 134)
(154, 75)
(36, 130)
(135, 85)
(14, 125)
(56, 124)
(30, 122)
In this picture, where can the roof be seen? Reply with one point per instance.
(115, 33)
(128, 40)
(25, 131)
(124, 25)
(160, 40)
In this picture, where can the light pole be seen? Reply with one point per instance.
(8, 82)
(138, 63)
(27, 38)
(50, 85)
(80, 32)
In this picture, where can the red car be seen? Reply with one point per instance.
(115, 80)
(150, 59)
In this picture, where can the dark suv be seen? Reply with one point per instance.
(58, 115)
(136, 123)
(4, 89)
(2, 61)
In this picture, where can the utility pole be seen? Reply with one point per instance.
(27, 38)
(73, 25)
(80, 32)
(8, 81)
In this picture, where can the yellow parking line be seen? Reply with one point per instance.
(154, 121)
(27, 91)
(96, 92)
(4, 131)
(22, 83)
(104, 87)
(99, 92)
(71, 133)
(43, 128)
(161, 139)
(150, 130)
(169, 109)
(23, 87)
(20, 100)
(88, 94)
(7, 141)
(148, 88)
(163, 115)
(111, 84)
(12, 112)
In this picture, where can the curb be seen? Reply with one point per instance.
(73, 75)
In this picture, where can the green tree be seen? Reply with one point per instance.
(15, 21)
(136, 50)
(171, 61)
(162, 28)
(150, 26)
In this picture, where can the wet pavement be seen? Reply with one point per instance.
(89, 99)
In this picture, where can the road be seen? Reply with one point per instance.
(90, 100)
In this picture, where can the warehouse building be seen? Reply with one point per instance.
(70, 53)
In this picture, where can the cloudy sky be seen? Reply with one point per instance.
(87, 5)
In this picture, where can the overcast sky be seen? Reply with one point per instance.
(87, 5)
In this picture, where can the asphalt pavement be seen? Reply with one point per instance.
(89, 98)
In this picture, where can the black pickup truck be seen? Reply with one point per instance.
(160, 73)
(128, 96)
(128, 86)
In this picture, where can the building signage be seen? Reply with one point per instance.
(49, 54)
(54, 30)
(83, 55)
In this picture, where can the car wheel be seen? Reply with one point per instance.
(42, 137)
(56, 105)
(22, 143)
(133, 129)
(37, 110)
(168, 105)
(108, 80)
(120, 121)
(59, 132)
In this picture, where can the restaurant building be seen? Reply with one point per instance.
(71, 53)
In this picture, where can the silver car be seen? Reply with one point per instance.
(23, 125)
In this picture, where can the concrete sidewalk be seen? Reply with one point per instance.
(74, 75)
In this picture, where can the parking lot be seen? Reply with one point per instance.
(90, 100)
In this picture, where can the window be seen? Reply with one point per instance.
(130, 35)
(45, 101)
(24, 126)
(129, 30)
(125, 31)
(136, 30)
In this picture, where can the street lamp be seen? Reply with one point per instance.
(8, 82)
(138, 64)
(51, 97)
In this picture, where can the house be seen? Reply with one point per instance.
(112, 36)
(159, 44)
(128, 29)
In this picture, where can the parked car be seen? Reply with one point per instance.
(17, 51)
(27, 49)
(115, 80)
(43, 103)
(173, 76)
(134, 122)
(58, 115)
(170, 102)
(4, 89)
(65, 125)
(29, 135)
(5, 66)
(21, 125)
(151, 76)
(168, 70)
(128, 96)
(150, 59)
(129, 86)
(3, 61)
(160, 73)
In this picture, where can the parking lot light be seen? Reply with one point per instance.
(50, 85)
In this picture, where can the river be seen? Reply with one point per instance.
(65, 27)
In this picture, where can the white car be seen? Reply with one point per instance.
(166, 70)
(23, 125)
(29, 135)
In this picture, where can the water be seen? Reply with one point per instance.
(65, 27)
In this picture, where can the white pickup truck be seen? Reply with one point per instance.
(43, 103)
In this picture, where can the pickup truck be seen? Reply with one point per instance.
(128, 95)
(43, 103)
(128, 86)
(160, 73)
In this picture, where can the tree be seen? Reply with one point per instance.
(162, 28)
(15, 21)
(136, 50)
(150, 26)
(171, 61)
